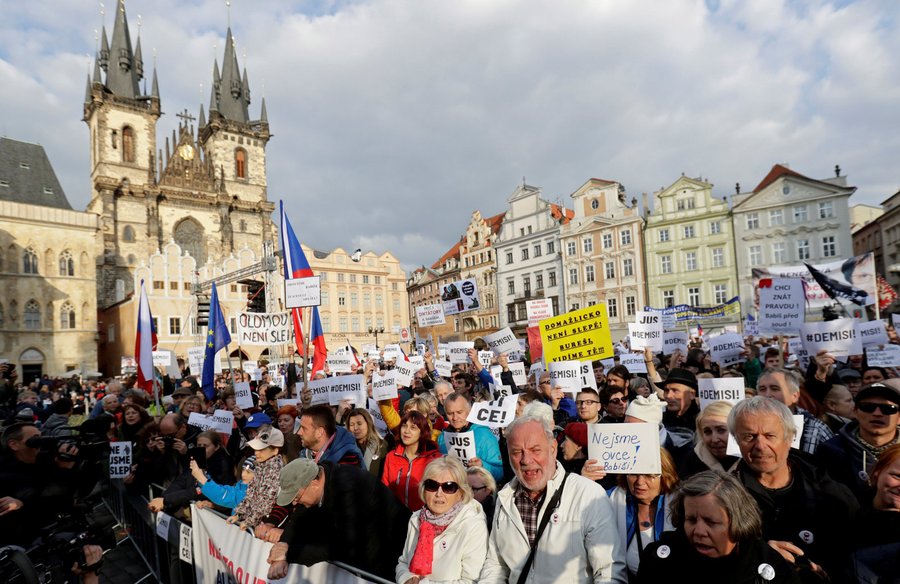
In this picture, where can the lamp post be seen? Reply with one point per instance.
(373, 330)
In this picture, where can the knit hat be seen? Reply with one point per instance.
(296, 475)
(272, 437)
(682, 376)
(577, 433)
(249, 463)
(647, 409)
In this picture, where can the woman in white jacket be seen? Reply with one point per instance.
(446, 541)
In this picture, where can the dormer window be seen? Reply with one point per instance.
(24, 165)
(48, 190)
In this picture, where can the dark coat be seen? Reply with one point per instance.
(875, 541)
(846, 461)
(359, 522)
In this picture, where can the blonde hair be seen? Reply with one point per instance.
(456, 470)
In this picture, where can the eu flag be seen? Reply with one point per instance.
(217, 338)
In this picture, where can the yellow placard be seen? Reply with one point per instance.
(580, 335)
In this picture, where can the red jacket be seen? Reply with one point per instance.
(402, 475)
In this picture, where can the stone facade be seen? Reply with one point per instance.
(477, 262)
(424, 287)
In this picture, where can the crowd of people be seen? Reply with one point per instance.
(372, 485)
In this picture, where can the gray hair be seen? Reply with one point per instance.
(455, 468)
(762, 406)
(486, 476)
(442, 383)
(790, 378)
(546, 425)
(744, 519)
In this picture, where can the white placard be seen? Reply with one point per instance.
(264, 329)
(782, 305)
(675, 341)
(460, 445)
(119, 460)
(184, 547)
(417, 362)
(634, 362)
(895, 321)
(289, 402)
(625, 448)
(444, 350)
(459, 351)
(242, 396)
(889, 356)
(499, 390)
(520, 378)
(485, 358)
(795, 347)
(751, 327)
(221, 421)
(566, 375)
(872, 333)
(443, 368)
(377, 417)
(726, 349)
(392, 352)
(430, 315)
(538, 310)
(404, 373)
(646, 331)
(319, 390)
(340, 362)
(162, 524)
(195, 360)
(587, 375)
(838, 337)
(384, 386)
(346, 387)
(495, 414)
(502, 341)
(730, 389)
(163, 358)
(495, 371)
(301, 292)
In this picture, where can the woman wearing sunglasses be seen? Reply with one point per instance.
(447, 539)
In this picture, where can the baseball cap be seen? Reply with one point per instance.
(296, 475)
(272, 437)
(878, 390)
(257, 420)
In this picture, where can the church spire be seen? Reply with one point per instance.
(122, 74)
(138, 60)
(87, 90)
(154, 92)
(233, 97)
(103, 57)
(202, 121)
(97, 64)
(263, 115)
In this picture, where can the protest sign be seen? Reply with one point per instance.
(566, 375)
(795, 347)
(444, 350)
(119, 460)
(889, 356)
(751, 327)
(377, 417)
(872, 333)
(392, 352)
(242, 396)
(536, 370)
(634, 362)
(608, 364)
(646, 331)
(485, 358)
(495, 414)
(625, 448)
(535, 346)
(302, 292)
(587, 375)
(128, 365)
(318, 389)
(163, 358)
(340, 362)
(430, 315)
(460, 296)
(404, 372)
(443, 368)
(340, 388)
(458, 351)
(782, 304)
(520, 378)
(730, 389)
(221, 421)
(195, 360)
(417, 362)
(578, 335)
(296, 402)
(675, 341)
(895, 322)
(853, 273)
(460, 445)
(264, 329)
(838, 337)
(162, 525)
(502, 341)
(726, 349)
(538, 310)
(384, 385)
(499, 390)
(185, 544)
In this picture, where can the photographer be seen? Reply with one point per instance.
(175, 438)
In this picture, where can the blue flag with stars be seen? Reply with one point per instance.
(217, 338)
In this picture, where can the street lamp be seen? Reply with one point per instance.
(373, 330)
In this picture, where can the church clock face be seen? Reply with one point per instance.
(186, 151)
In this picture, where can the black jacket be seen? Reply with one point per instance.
(875, 540)
(44, 489)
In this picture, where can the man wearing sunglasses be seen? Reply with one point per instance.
(850, 456)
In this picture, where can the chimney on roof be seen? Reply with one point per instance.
(837, 170)
(737, 188)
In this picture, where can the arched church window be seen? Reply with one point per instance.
(66, 264)
(29, 262)
(240, 163)
(128, 144)
(32, 315)
(189, 234)
(128, 233)
(67, 316)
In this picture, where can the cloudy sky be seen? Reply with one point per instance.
(394, 119)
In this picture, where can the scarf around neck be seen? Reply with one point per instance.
(430, 526)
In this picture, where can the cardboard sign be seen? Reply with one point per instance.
(579, 335)
(392, 352)
(634, 362)
(502, 341)
(587, 375)
(782, 305)
(296, 402)
(443, 368)
(795, 347)
(221, 421)
(730, 389)
(162, 524)
(337, 389)
(377, 417)
(625, 448)
(520, 378)
(119, 460)
(458, 351)
(726, 349)
(485, 358)
(404, 372)
(242, 396)
(430, 315)
(646, 331)
(184, 544)
(163, 358)
(495, 414)
(872, 333)
(384, 386)
(340, 363)
(195, 360)
(460, 445)
(499, 390)
(889, 356)
(460, 296)
(566, 375)
(838, 337)
(264, 329)
(675, 341)
(538, 310)
(301, 292)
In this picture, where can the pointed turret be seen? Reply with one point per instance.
(202, 121)
(138, 60)
(154, 92)
(246, 84)
(263, 115)
(87, 90)
(97, 77)
(121, 76)
(104, 50)
(232, 100)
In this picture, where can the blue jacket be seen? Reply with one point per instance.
(487, 448)
(342, 450)
(224, 495)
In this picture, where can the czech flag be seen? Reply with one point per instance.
(144, 343)
(320, 351)
(217, 338)
(295, 266)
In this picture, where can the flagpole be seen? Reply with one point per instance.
(156, 392)
(305, 325)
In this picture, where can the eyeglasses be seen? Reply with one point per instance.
(432, 486)
(586, 402)
(546, 382)
(618, 401)
(886, 409)
(476, 489)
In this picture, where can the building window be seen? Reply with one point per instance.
(240, 163)
(665, 264)
(776, 217)
(342, 299)
(33, 315)
(342, 324)
(800, 214)
(128, 144)
(173, 286)
(688, 231)
(551, 277)
(668, 298)
(526, 285)
(524, 254)
(551, 247)
(802, 249)
(67, 316)
(575, 306)
(341, 277)
(570, 248)
(365, 279)
(367, 300)
(589, 273)
(721, 293)
(323, 296)
(66, 264)
(609, 270)
(242, 226)
(715, 227)
(378, 281)
(630, 307)
(511, 312)
(174, 326)
(354, 324)
(826, 209)
(509, 257)
(29, 261)
(538, 281)
(587, 244)
(510, 287)
(829, 247)
(393, 285)
(353, 278)
(718, 257)
(663, 235)
(685, 204)
(607, 240)
(754, 255)
(128, 233)
(378, 301)
(690, 261)
(573, 275)
(354, 300)
(537, 250)
(694, 296)
(612, 307)
(625, 237)
(752, 221)
(779, 254)
(155, 320)
(628, 267)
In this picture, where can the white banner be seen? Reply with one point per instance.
(333, 390)
(300, 292)
(673, 341)
(646, 331)
(857, 272)
(838, 337)
(730, 389)
(460, 445)
(458, 351)
(119, 460)
(242, 396)
(495, 414)
(872, 333)
(726, 349)
(782, 303)
(502, 341)
(430, 315)
(264, 329)
(634, 362)
(221, 421)
(566, 375)
(625, 448)
(384, 386)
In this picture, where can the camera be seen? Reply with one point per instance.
(61, 544)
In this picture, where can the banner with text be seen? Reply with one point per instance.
(264, 329)
(579, 335)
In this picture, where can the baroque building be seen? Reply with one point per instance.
(424, 287)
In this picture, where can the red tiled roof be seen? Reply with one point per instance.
(603, 181)
(557, 213)
(452, 252)
(777, 172)
(495, 222)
